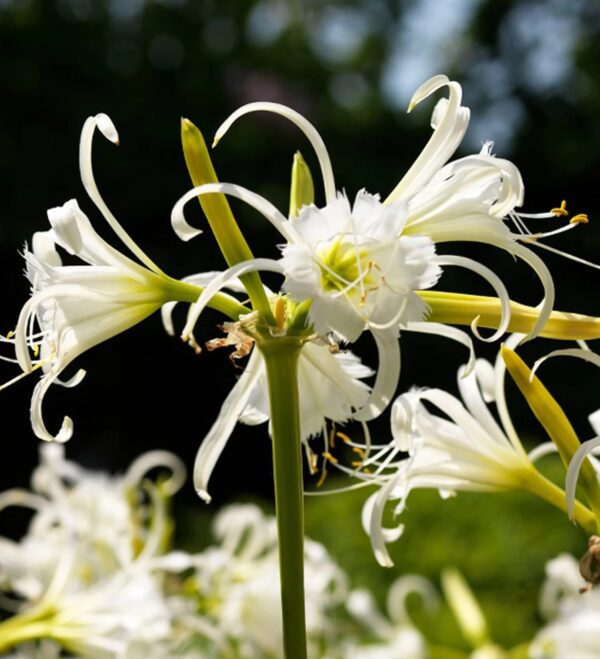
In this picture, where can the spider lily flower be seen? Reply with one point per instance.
(396, 634)
(75, 307)
(86, 574)
(369, 265)
(329, 383)
(465, 450)
(572, 617)
(238, 586)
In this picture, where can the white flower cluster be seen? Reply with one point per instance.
(95, 576)
(572, 612)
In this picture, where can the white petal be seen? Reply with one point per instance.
(388, 374)
(64, 222)
(579, 353)
(223, 280)
(37, 422)
(450, 120)
(153, 459)
(213, 444)
(573, 472)
(496, 284)
(303, 124)
(186, 231)
(106, 127)
(372, 517)
(453, 333)
(166, 315)
(44, 248)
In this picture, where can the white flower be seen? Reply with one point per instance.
(397, 636)
(238, 581)
(574, 617)
(92, 562)
(357, 268)
(100, 515)
(361, 267)
(78, 306)
(329, 385)
(465, 450)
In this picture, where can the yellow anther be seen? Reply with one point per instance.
(10, 334)
(561, 211)
(313, 463)
(581, 218)
(36, 349)
(279, 312)
(323, 477)
(366, 470)
(344, 437)
(359, 451)
(327, 455)
(332, 438)
(356, 463)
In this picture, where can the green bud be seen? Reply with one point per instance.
(302, 191)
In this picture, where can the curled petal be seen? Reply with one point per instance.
(186, 231)
(579, 353)
(152, 460)
(303, 124)
(37, 421)
(166, 315)
(401, 589)
(453, 333)
(496, 284)
(573, 472)
(107, 128)
(213, 444)
(221, 281)
(450, 122)
(372, 519)
(386, 380)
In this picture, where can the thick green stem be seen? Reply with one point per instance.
(281, 358)
(539, 485)
(185, 292)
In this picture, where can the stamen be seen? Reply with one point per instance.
(332, 436)
(279, 312)
(323, 476)
(327, 455)
(561, 211)
(358, 451)
(581, 218)
(344, 438)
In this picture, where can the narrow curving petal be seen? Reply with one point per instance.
(303, 124)
(573, 472)
(213, 444)
(494, 281)
(106, 127)
(223, 280)
(153, 459)
(453, 333)
(388, 374)
(372, 519)
(186, 231)
(578, 353)
(448, 132)
(37, 421)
